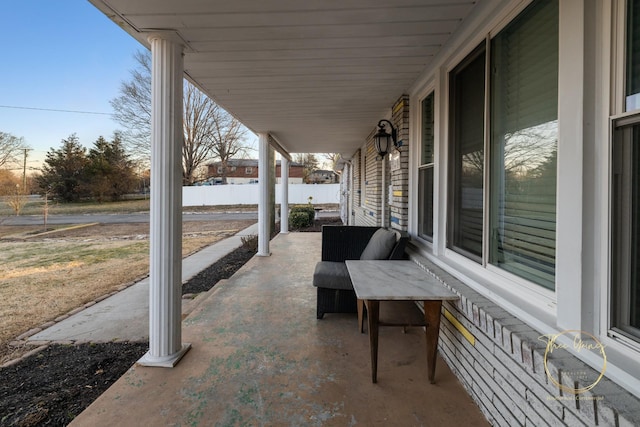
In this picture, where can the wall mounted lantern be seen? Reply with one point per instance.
(383, 140)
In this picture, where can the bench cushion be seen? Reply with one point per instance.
(380, 245)
(332, 275)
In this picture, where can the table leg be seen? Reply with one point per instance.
(360, 305)
(432, 320)
(373, 313)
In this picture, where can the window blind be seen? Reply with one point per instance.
(524, 130)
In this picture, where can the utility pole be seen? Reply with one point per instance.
(24, 171)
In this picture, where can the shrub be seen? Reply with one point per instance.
(300, 219)
(250, 242)
(304, 208)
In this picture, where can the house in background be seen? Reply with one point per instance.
(321, 176)
(245, 171)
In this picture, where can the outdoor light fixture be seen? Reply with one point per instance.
(383, 140)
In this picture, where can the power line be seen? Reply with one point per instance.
(55, 110)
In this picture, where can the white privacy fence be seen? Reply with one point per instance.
(247, 194)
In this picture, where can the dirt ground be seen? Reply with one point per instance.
(107, 231)
(55, 384)
(47, 275)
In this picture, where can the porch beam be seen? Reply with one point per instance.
(165, 257)
(279, 148)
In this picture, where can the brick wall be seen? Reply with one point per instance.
(367, 212)
(356, 190)
(399, 176)
(503, 369)
(368, 197)
(238, 169)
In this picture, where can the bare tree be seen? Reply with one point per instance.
(13, 190)
(228, 140)
(132, 108)
(10, 148)
(209, 130)
(332, 159)
(17, 200)
(309, 163)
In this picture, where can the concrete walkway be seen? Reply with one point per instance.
(125, 315)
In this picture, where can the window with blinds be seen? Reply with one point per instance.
(467, 99)
(524, 140)
(425, 172)
(626, 222)
(625, 190)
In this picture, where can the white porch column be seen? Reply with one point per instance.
(264, 213)
(165, 269)
(284, 197)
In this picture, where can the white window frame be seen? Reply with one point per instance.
(420, 165)
(583, 260)
(535, 304)
(614, 18)
(632, 340)
(534, 293)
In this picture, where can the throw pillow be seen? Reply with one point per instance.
(380, 245)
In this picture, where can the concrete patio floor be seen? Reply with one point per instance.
(260, 357)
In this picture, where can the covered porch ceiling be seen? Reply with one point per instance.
(316, 74)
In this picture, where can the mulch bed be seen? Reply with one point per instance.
(51, 387)
(221, 269)
(55, 385)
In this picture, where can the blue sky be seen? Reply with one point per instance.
(61, 55)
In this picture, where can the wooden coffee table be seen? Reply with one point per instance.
(375, 281)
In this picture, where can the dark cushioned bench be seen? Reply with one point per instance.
(341, 243)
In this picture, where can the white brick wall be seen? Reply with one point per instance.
(399, 178)
(504, 372)
(367, 203)
(368, 211)
(357, 168)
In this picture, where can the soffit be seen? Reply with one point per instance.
(316, 74)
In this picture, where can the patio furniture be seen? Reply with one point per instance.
(340, 243)
(378, 282)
